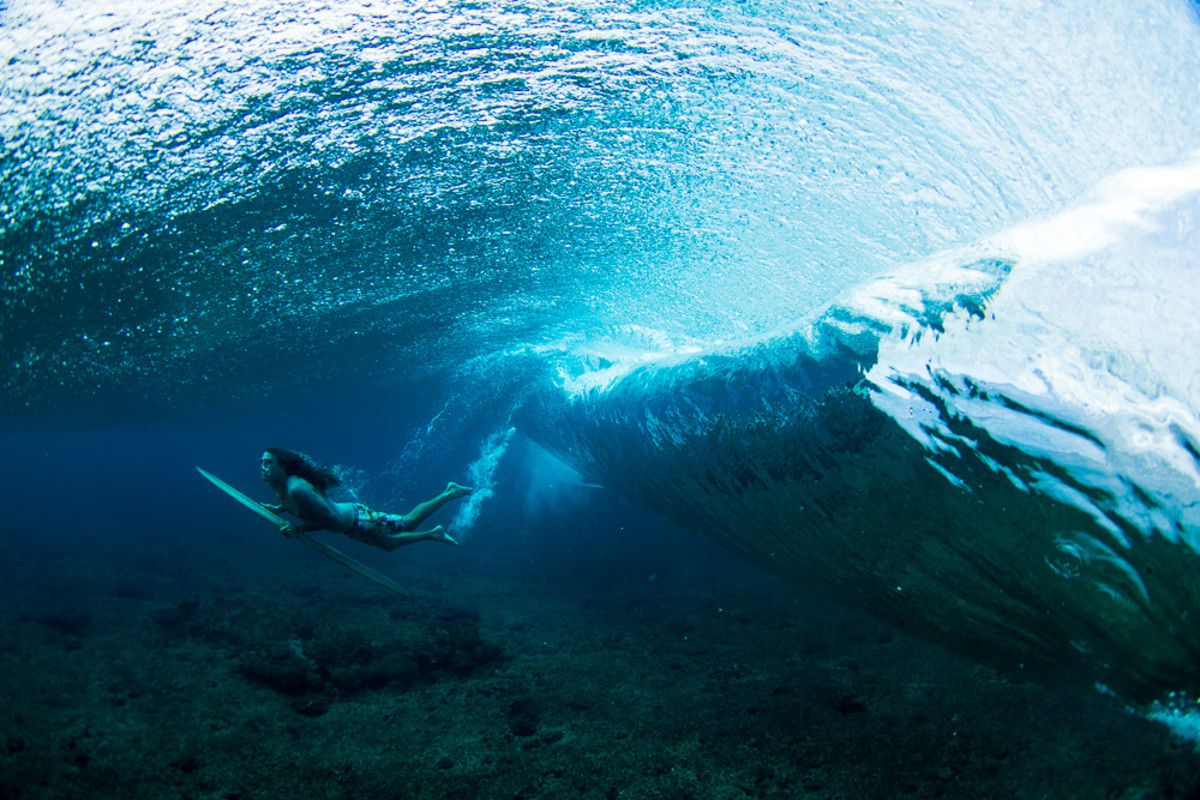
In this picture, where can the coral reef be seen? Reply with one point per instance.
(681, 677)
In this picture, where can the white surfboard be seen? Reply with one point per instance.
(320, 547)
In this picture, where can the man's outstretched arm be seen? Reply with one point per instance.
(314, 510)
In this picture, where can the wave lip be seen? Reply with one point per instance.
(996, 449)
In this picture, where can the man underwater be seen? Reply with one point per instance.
(301, 485)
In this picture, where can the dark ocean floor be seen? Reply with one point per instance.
(541, 669)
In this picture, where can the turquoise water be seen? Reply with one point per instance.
(895, 301)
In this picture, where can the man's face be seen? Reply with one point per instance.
(270, 468)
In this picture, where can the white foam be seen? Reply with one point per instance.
(481, 474)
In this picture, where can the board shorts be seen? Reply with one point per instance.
(375, 527)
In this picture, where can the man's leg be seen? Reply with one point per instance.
(438, 534)
(418, 515)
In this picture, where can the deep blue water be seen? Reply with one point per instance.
(894, 302)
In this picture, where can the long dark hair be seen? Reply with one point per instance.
(322, 478)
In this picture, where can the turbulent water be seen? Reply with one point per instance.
(893, 299)
(991, 448)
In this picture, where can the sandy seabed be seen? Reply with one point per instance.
(549, 670)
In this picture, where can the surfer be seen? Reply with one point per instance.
(302, 484)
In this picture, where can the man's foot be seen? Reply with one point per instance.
(439, 534)
(455, 490)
